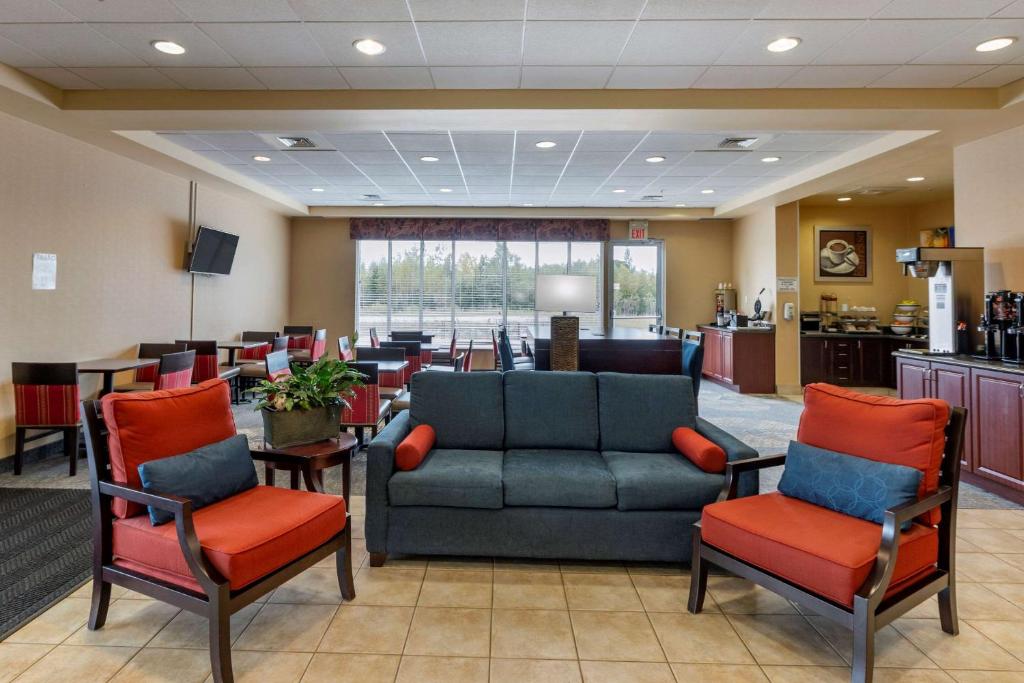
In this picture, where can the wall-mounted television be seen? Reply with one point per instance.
(213, 252)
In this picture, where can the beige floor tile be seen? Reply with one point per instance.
(535, 671)
(315, 586)
(388, 586)
(358, 526)
(784, 640)
(115, 592)
(891, 648)
(616, 637)
(969, 650)
(985, 676)
(807, 674)
(965, 546)
(286, 628)
(985, 568)
(1007, 634)
(328, 667)
(970, 519)
(582, 566)
(974, 601)
(657, 569)
(718, 673)
(268, 667)
(480, 563)
(370, 630)
(159, 665)
(613, 592)
(532, 634)
(1014, 592)
(190, 631)
(626, 672)
(991, 540)
(129, 622)
(700, 639)
(513, 564)
(403, 562)
(1015, 560)
(55, 624)
(999, 519)
(16, 657)
(912, 676)
(359, 556)
(78, 663)
(442, 670)
(662, 593)
(528, 590)
(456, 588)
(357, 505)
(739, 596)
(449, 632)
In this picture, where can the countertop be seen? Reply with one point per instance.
(741, 330)
(614, 334)
(967, 361)
(863, 335)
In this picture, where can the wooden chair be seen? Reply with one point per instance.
(345, 352)
(693, 357)
(300, 337)
(374, 339)
(413, 354)
(255, 354)
(467, 358)
(46, 402)
(213, 561)
(317, 347)
(367, 408)
(208, 362)
(173, 372)
(147, 375)
(390, 381)
(460, 362)
(891, 588)
(251, 373)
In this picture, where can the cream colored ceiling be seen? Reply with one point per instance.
(500, 44)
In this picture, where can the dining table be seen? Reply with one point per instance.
(390, 365)
(232, 348)
(108, 367)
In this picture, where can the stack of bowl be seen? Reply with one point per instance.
(904, 318)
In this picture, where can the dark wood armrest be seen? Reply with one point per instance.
(161, 501)
(736, 467)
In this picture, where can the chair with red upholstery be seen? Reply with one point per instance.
(345, 351)
(251, 373)
(413, 356)
(317, 348)
(211, 561)
(255, 354)
(391, 381)
(173, 372)
(467, 361)
(366, 407)
(45, 402)
(855, 572)
(146, 376)
(374, 339)
(301, 337)
(208, 362)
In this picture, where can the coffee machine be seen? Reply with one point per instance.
(997, 317)
(956, 285)
(1013, 337)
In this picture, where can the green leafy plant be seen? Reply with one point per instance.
(327, 382)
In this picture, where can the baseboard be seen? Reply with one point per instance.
(789, 389)
(52, 449)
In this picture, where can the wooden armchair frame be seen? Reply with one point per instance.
(871, 610)
(217, 601)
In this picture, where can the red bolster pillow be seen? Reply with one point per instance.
(414, 447)
(702, 452)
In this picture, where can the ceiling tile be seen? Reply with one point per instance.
(745, 76)
(145, 78)
(137, 38)
(580, 10)
(15, 55)
(61, 78)
(376, 157)
(568, 77)
(267, 44)
(387, 77)
(33, 10)
(122, 10)
(351, 10)
(543, 157)
(575, 42)
(837, 76)
(999, 76)
(460, 77)
(467, 10)
(477, 158)
(69, 45)
(608, 141)
(421, 142)
(1014, 10)
(940, 9)
(816, 36)
(675, 77)
(892, 41)
(531, 171)
(928, 76)
(714, 158)
(358, 142)
(960, 48)
(676, 142)
(482, 141)
(680, 42)
(299, 77)
(213, 78)
(703, 9)
(526, 139)
(336, 39)
(816, 9)
(237, 10)
(472, 43)
(232, 141)
(187, 141)
(425, 169)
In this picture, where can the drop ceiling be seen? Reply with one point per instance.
(506, 168)
(307, 44)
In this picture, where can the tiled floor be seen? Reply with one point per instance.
(456, 621)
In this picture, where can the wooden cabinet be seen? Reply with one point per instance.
(712, 354)
(857, 361)
(873, 356)
(743, 361)
(726, 358)
(952, 384)
(813, 365)
(913, 378)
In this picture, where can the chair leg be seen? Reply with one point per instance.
(378, 559)
(863, 642)
(100, 602)
(360, 433)
(220, 640)
(698, 576)
(343, 564)
(71, 449)
(947, 610)
(268, 474)
(294, 472)
(19, 449)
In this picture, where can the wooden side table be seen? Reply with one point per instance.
(310, 460)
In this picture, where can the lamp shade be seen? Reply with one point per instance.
(575, 293)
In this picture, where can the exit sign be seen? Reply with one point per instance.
(638, 230)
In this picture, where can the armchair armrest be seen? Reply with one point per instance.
(736, 468)
(380, 465)
(162, 501)
(735, 451)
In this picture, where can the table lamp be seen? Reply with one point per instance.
(566, 293)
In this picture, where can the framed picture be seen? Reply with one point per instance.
(843, 254)
(937, 237)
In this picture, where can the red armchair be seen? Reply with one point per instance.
(213, 561)
(859, 574)
(46, 401)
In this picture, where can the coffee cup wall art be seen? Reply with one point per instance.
(843, 254)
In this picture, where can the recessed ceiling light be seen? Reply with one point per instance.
(843, 199)
(428, 159)
(783, 44)
(915, 179)
(378, 203)
(317, 189)
(168, 47)
(655, 159)
(619, 191)
(771, 160)
(446, 189)
(260, 157)
(995, 44)
(680, 205)
(545, 144)
(369, 46)
(708, 191)
(527, 204)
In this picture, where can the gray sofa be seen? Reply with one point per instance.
(568, 465)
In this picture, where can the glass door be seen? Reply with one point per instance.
(638, 283)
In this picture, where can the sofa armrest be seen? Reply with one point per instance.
(380, 465)
(747, 482)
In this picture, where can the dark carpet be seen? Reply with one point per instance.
(47, 550)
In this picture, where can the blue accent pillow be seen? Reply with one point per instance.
(204, 476)
(847, 483)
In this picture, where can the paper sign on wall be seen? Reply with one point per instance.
(44, 271)
(786, 284)
(638, 230)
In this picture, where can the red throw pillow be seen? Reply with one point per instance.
(702, 452)
(414, 448)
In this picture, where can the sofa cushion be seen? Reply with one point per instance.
(557, 478)
(661, 481)
(551, 410)
(466, 409)
(639, 412)
(451, 478)
(824, 551)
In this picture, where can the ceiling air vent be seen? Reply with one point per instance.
(874, 191)
(371, 197)
(652, 198)
(737, 143)
(297, 142)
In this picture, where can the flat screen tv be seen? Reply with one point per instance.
(213, 252)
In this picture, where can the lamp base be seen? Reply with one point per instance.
(565, 343)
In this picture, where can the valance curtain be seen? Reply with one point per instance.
(484, 229)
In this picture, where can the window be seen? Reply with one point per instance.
(473, 286)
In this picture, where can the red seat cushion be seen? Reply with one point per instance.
(157, 424)
(245, 537)
(825, 552)
(910, 433)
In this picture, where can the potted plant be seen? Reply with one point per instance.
(305, 407)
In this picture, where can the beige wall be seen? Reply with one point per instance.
(787, 332)
(119, 230)
(753, 259)
(989, 177)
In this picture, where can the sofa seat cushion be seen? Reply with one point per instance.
(557, 478)
(245, 537)
(661, 481)
(451, 478)
(823, 551)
